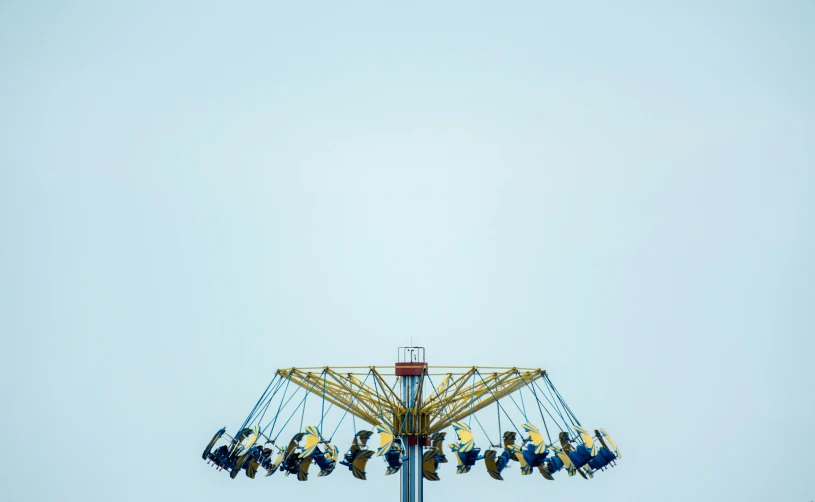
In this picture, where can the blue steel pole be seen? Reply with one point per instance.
(411, 481)
(416, 455)
(405, 477)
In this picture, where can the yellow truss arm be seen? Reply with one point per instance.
(458, 394)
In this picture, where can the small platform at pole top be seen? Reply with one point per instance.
(410, 361)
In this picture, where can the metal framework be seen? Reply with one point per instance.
(410, 414)
(461, 392)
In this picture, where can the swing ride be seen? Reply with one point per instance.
(411, 425)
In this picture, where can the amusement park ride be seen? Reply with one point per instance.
(411, 424)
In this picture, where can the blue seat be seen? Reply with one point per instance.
(470, 457)
(220, 456)
(394, 457)
(503, 460)
(322, 462)
(580, 456)
(349, 457)
(554, 464)
(531, 458)
(602, 459)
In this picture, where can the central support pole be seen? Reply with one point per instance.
(410, 370)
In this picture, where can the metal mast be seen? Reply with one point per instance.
(410, 369)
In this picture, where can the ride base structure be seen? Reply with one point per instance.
(411, 416)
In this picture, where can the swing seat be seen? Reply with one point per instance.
(291, 465)
(350, 455)
(358, 464)
(358, 444)
(567, 463)
(503, 459)
(536, 436)
(470, 457)
(587, 440)
(323, 461)
(465, 437)
(465, 450)
(509, 440)
(518, 456)
(602, 459)
(312, 440)
(544, 470)
(438, 444)
(302, 469)
(357, 456)
(467, 460)
(394, 458)
(245, 440)
(607, 442)
(273, 465)
(215, 438)
(220, 456)
(362, 437)
(286, 459)
(558, 462)
(385, 439)
(463, 469)
(580, 456)
(246, 460)
(532, 458)
(554, 464)
(430, 465)
(233, 473)
(291, 461)
(494, 464)
(252, 469)
(266, 462)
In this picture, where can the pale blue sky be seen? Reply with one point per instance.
(193, 194)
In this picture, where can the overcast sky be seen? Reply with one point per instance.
(193, 194)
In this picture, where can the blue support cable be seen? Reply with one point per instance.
(379, 400)
(555, 399)
(273, 422)
(472, 401)
(543, 419)
(563, 401)
(440, 399)
(556, 407)
(322, 412)
(269, 402)
(500, 434)
(553, 403)
(346, 411)
(482, 428)
(499, 404)
(303, 414)
(249, 417)
(520, 391)
(291, 416)
(515, 403)
(298, 407)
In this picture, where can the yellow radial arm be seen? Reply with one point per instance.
(473, 392)
(347, 392)
(364, 393)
